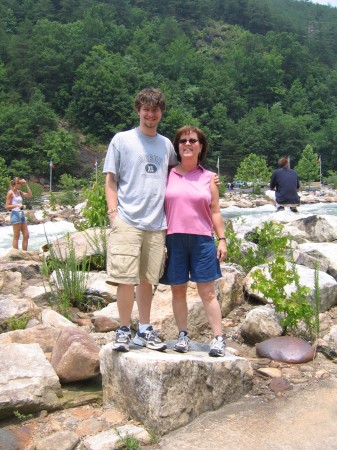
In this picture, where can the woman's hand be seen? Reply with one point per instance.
(222, 250)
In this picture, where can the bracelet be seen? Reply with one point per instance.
(222, 239)
(112, 210)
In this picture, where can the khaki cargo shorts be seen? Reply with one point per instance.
(134, 255)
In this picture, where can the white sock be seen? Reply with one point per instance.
(142, 327)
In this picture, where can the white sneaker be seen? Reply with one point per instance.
(122, 340)
(217, 347)
(149, 339)
(183, 343)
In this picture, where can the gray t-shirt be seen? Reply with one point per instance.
(139, 164)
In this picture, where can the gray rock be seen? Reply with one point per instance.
(10, 282)
(313, 229)
(325, 254)
(259, 324)
(165, 391)
(44, 335)
(10, 306)
(28, 383)
(229, 288)
(62, 440)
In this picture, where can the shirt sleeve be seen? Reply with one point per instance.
(112, 159)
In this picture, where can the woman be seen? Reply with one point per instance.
(16, 207)
(193, 212)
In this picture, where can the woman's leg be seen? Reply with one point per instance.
(25, 236)
(179, 306)
(16, 236)
(211, 305)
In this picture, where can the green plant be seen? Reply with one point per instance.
(95, 212)
(154, 437)
(271, 283)
(127, 442)
(317, 301)
(99, 243)
(22, 417)
(70, 276)
(37, 192)
(268, 239)
(17, 323)
(53, 199)
(68, 195)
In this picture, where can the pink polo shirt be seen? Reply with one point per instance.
(187, 202)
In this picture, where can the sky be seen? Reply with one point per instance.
(326, 2)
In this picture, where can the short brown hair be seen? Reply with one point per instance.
(283, 162)
(188, 129)
(150, 96)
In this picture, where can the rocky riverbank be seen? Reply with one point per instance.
(80, 419)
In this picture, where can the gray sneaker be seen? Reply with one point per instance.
(122, 340)
(183, 343)
(217, 347)
(149, 339)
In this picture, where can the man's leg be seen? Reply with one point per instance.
(125, 300)
(144, 300)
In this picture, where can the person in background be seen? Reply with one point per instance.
(136, 168)
(193, 213)
(286, 184)
(14, 204)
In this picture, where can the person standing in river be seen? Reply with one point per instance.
(14, 204)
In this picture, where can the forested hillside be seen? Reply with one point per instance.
(257, 75)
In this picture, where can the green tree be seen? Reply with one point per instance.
(103, 93)
(4, 180)
(253, 169)
(308, 165)
(60, 147)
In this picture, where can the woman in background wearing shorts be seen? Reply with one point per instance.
(193, 214)
(14, 204)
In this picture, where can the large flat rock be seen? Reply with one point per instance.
(165, 391)
(28, 383)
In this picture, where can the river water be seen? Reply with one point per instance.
(244, 219)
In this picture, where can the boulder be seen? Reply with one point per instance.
(11, 307)
(20, 255)
(313, 229)
(44, 335)
(287, 349)
(28, 383)
(75, 355)
(85, 243)
(54, 319)
(165, 391)
(10, 282)
(259, 324)
(28, 269)
(323, 253)
(229, 288)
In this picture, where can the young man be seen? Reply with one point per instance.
(136, 168)
(286, 184)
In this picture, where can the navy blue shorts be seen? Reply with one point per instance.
(190, 257)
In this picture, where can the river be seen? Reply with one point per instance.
(243, 220)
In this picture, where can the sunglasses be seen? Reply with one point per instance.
(191, 141)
